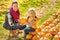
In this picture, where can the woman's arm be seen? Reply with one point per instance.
(9, 19)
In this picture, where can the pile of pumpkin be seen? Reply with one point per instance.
(48, 30)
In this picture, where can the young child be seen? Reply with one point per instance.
(31, 22)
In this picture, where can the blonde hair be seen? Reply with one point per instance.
(32, 11)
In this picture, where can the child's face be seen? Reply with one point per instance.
(15, 7)
(31, 14)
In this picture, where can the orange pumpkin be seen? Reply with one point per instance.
(53, 30)
(28, 36)
(13, 32)
(33, 33)
(43, 38)
(56, 37)
(56, 21)
(36, 37)
(41, 34)
(51, 25)
(48, 35)
(50, 20)
(23, 20)
(55, 15)
(38, 29)
(58, 33)
(47, 27)
(46, 23)
(45, 31)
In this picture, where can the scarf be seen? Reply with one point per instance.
(15, 14)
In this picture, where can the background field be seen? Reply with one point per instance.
(44, 9)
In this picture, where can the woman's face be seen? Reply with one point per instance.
(15, 7)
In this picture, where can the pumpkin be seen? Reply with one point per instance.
(56, 21)
(28, 36)
(45, 31)
(51, 25)
(48, 35)
(47, 27)
(43, 38)
(56, 37)
(36, 37)
(41, 34)
(42, 26)
(55, 16)
(23, 20)
(58, 33)
(53, 30)
(46, 23)
(50, 20)
(33, 33)
(38, 29)
(13, 32)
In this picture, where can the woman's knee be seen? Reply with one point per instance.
(21, 27)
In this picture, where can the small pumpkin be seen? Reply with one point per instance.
(38, 29)
(28, 36)
(41, 34)
(36, 37)
(45, 31)
(51, 25)
(48, 35)
(46, 23)
(33, 33)
(56, 37)
(53, 30)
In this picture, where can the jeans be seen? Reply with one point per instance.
(16, 26)
(27, 30)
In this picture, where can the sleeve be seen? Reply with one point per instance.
(9, 19)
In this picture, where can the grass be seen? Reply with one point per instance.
(24, 6)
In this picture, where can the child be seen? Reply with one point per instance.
(31, 22)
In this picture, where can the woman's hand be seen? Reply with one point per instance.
(19, 20)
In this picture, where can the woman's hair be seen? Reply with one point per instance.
(14, 3)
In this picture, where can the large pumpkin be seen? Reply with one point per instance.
(23, 20)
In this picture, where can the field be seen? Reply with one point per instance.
(44, 10)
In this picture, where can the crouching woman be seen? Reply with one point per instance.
(12, 18)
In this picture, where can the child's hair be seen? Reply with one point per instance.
(32, 10)
(14, 3)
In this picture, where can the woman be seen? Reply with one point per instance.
(12, 18)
